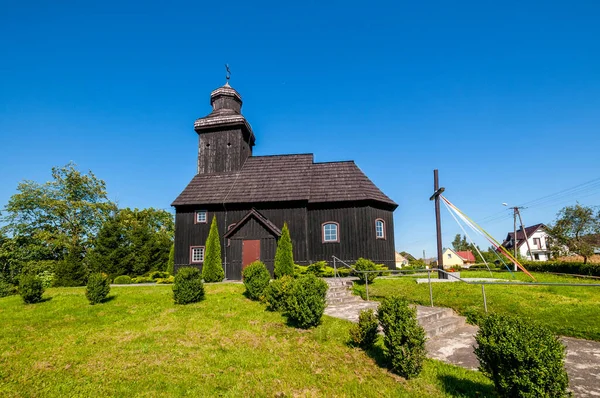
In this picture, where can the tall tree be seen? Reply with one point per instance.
(460, 244)
(284, 255)
(171, 261)
(58, 220)
(212, 269)
(574, 231)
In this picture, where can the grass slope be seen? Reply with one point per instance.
(568, 311)
(140, 343)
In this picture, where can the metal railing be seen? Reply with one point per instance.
(450, 275)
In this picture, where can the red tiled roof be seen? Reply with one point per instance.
(466, 255)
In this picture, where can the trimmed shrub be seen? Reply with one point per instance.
(574, 268)
(158, 274)
(275, 294)
(188, 286)
(212, 269)
(364, 333)
(284, 255)
(522, 358)
(171, 261)
(142, 279)
(256, 279)
(166, 281)
(306, 301)
(363, 264)
(7, 289)
(31, 289)
(404, 338)
(98, 287)
(122, 280)
(299, 270)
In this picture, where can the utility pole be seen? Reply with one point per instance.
(516, 213)
(438, 223)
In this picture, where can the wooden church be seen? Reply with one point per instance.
(331, 208)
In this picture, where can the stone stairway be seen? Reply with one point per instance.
(341, 303)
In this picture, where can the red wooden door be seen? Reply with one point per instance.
(250, 252)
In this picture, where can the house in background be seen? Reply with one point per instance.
(331, 208)
(401, 261)
(538, 241)
(461, 258)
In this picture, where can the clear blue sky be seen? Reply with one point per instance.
(502, 97)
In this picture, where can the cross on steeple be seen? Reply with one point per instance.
(227, 73)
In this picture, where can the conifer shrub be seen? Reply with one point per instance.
(98, 287)
(363, 264)
(31, 289)
(171, 261)
(188, 286)
(364, 333)
(521, 358)
(284, 255)
(275, 294)
(212, 268)
(142, 279)
(158, 274)
(7, 288)
(404, 338)
(306, 301)
(166, 281)
(256, 279)
(122, 280)
(71, 271)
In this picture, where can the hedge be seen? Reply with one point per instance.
(574, 268)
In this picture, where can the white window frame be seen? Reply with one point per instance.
(200, 255)
(337, 232)
(382, 236)
(197, 217)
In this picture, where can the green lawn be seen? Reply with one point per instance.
(568, 311)
(140, 343)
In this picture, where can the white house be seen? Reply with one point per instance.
(401, 261)
(538, 241)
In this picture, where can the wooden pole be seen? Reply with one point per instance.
(438, 224)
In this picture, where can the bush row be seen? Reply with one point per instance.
(574, 268)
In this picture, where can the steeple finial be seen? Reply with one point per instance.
(227, 73)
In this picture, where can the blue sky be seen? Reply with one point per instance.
(502, 97)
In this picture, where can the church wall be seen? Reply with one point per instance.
(222, 151)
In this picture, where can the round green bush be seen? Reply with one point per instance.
(364, 333)
(256, 279)
(306, 301)
(404, 338)
(521, 358)
(188, 286)
(275, 294)
(365, 265)
(122, 280)
(97, 289)
(31, 289)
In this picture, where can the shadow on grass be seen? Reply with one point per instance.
(109, 298)
(462, 387)
(44, 299)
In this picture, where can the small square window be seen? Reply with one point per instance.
(201, 216)
(197, 254)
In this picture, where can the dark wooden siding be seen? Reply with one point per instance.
(222, 151)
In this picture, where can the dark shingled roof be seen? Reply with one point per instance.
(283, 178)
(520, 236)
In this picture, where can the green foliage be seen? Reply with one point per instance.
(284, 256)
(47, 279)
(133, 242)
(573, 268)
(275, 294)
(521, 358)
(576, 228)
(98, 287)
(71, 271)
(166, 281)
(367, 265)
(306, 301)
(30, 289)
(7, 288)
(122, 280)
(404, 338)
(158, 274)
(256, 279)
(142, 279)
(212, 269)
(188, 286)
(364, 333)
(320, 269)
(171, 261)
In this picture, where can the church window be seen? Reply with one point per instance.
(197, 254)
(330, 232)
(201, 216)
(379, 229)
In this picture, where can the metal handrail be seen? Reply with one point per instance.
(450, 274)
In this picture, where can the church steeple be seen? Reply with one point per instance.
(225, 136)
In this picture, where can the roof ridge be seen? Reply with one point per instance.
(336, 161)
(286, 154)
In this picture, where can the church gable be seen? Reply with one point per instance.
(253, 226)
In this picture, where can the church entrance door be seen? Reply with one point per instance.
(250, 252)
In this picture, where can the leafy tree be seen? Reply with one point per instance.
(460, 244)
(574, 231)
(171, 261)
(284, 255)
(57, 220)
(212, 269)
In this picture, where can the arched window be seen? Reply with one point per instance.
(380, 229)
(330, 232)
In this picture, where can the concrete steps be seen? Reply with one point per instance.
(341, 303)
